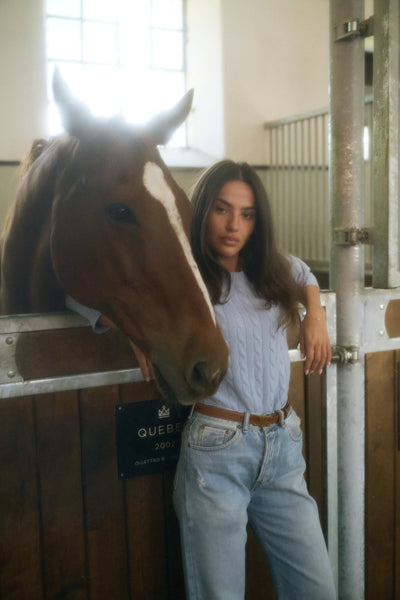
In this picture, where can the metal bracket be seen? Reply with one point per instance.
(354, 28)
(8, 372)
(352, 236)
(345, 354)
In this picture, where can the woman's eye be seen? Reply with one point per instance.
(120, 213)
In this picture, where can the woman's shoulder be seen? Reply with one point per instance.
(300, 271)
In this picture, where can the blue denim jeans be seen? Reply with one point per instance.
(229, 475)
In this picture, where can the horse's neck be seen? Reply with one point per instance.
(28, 282)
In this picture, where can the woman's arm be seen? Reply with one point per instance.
(315, 346)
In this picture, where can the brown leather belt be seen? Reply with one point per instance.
(233, 415)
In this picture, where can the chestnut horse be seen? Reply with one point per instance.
(98, 216)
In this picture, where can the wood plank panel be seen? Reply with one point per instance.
(60, 352)
(62, 519)
(176, 584)
(20, 552)
(315, 448)
(145, 521)
(147, 545)
(104, 497)
(379, 502)
(296, 394)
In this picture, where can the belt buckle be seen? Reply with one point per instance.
(258, 420)
(263, 420)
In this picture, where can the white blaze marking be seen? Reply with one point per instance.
(154, 182)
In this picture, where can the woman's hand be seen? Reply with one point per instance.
(315, 346)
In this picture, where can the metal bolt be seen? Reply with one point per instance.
(381, 306)
(9, 341)
(381, 332)
(11, 374)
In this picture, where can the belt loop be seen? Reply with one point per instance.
(246, 422)
(281, 417)
(192, 411)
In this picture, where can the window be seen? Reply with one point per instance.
(125, 56)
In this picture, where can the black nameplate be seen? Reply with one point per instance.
(148, 436)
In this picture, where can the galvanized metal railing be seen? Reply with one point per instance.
(297, 179)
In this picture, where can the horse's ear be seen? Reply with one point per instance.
(163, 125)
(75, 115)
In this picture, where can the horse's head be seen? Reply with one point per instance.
(119, 243)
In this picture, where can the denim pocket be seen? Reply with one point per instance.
(205, 435)
(293, 426)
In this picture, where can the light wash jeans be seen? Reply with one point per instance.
(229, 475)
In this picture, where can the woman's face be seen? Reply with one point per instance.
(230, 223)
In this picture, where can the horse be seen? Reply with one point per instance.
(98, 216)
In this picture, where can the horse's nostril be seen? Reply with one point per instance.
(203, 380)
(199, 377)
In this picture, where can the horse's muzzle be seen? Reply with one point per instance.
(200, 382)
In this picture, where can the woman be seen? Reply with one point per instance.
(241, 456)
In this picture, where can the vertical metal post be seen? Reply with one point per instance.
(386, 258)
(347, 280)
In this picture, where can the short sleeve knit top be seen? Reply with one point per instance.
(258, 375)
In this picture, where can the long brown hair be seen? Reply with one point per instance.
(266, 268)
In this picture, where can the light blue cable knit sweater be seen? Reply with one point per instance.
(259, 367)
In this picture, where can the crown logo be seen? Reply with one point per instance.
(164, 412)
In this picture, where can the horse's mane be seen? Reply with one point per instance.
(36, 149)
(35, 185)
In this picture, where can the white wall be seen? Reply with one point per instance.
(276, 56)
(22, 76)
(249, 62)
(205, 75)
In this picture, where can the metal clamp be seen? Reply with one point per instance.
(354, 28)
(352, 236)
(345, 354)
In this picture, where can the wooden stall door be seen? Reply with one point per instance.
(69, 528)
(382, 476)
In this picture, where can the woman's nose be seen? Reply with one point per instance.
(233, 223)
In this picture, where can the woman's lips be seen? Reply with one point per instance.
(229, 241)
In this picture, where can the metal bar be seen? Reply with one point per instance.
(386, 267)
(305, 116)
(328, 300)
(311, 210)
(325, 194)
(305, 240)
(40, 322)
(70, 382)
(347, 279)
(296, 183)
(295, 118)
(293, 199)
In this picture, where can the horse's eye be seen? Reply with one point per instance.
(120, 213)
